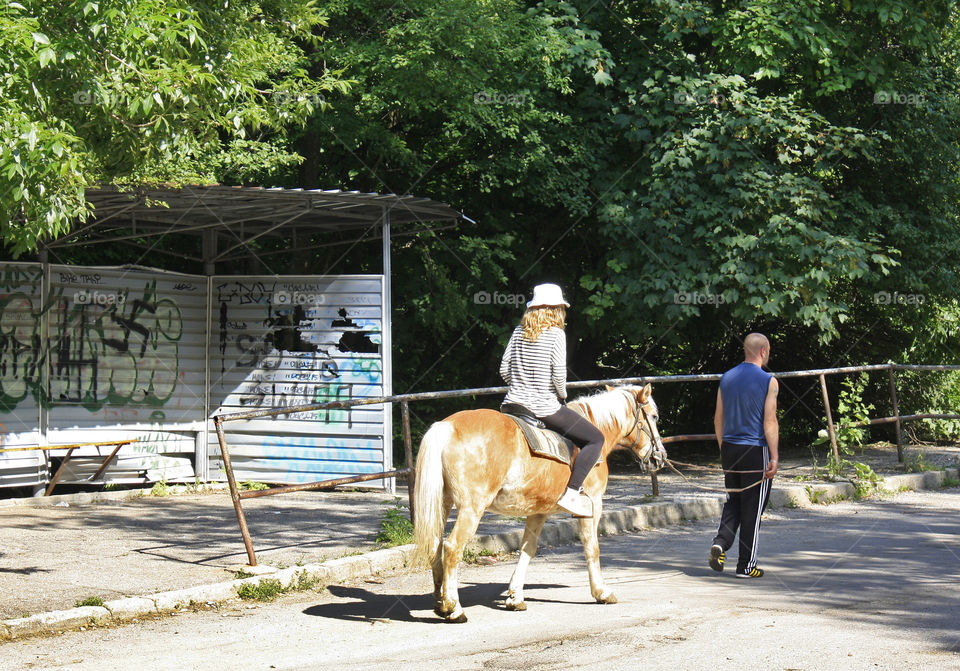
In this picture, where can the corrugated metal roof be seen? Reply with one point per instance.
(242, 214)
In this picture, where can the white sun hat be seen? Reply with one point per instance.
(547, 295)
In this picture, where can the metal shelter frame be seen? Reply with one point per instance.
(226, 221)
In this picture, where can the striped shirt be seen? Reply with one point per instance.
(536, 371)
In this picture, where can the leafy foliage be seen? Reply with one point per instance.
(128, 91)
(688, 170)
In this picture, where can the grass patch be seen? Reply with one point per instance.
(949, 482)
(820, 497)
(269, 589)
(395, 527)
(917, 463)
(89, 601)
(251, 486)
(866, 481)
(473, 555)
(160, 489)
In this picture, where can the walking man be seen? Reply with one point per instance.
(748, 434)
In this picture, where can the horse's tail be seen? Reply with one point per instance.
(428, 517)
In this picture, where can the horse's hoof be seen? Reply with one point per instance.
(516, 605)
(609, 597)
(440, 609)
(453, 618)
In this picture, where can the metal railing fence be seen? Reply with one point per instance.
(405, 399)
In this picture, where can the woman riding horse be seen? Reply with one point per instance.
(479, 460)
(535, 366)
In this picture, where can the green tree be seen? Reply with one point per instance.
(132, 91)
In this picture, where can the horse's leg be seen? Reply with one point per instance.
(591, 550)
(531, 536)
(468, 518)
(436, 564)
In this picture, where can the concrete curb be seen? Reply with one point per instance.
(557, 532)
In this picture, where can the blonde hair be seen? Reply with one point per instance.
(537, 320)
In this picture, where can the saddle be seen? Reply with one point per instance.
(542, 441)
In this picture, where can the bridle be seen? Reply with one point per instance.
(647, 428)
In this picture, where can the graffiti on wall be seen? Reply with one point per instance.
(297, 348)
(103, 344)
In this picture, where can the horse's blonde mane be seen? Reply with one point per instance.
(608, 409)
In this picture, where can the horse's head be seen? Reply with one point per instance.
(643, 438)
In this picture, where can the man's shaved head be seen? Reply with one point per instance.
(754, 344)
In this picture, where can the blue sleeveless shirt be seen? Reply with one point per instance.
(744, 391)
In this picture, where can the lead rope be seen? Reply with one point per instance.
(673, 468)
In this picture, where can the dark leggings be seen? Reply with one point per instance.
(584, 434)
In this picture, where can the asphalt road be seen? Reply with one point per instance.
(870, 585)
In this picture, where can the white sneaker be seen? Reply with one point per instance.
(575, 504)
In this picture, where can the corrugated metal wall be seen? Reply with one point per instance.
(111, 353)
(127, 358)
(22, 376)
(296, 341)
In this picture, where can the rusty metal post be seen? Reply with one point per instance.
(830, 429)
(896, 415)
(56, 476)
(654, 483)
(408, 452)
(106, 462)
(234, 493)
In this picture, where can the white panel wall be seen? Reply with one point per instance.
(127, 357)
(280, 342)
(22, 380)
(107, 354)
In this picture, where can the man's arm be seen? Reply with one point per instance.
(718, 419)
(771, 427)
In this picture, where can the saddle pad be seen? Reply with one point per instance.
(546, 443)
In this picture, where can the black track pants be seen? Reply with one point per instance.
(742, 510)
(585, 435)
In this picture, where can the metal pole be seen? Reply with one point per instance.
(234, 494)
(830, 431)
(654, 483)
(322, 484)
(408, 452)
(386, 347)
(106, 462)
(896, 415)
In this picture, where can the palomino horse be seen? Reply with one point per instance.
(478, 460)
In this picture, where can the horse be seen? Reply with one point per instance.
(478, 460)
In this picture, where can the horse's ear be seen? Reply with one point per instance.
(644, 394)
(608, 387)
